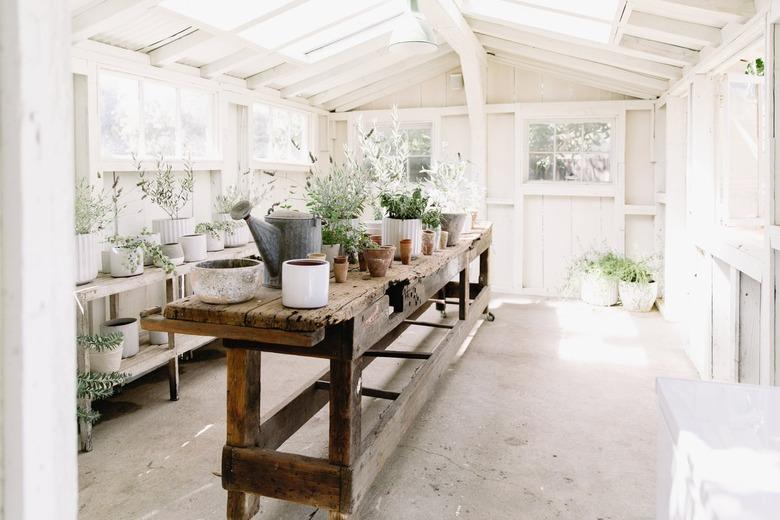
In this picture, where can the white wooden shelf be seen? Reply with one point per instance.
(151, 357)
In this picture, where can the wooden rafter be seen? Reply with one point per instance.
(106, 15)
(669, 30)
(707, 12)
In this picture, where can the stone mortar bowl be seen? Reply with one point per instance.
(227, 281)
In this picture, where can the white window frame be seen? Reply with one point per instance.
(413, 125)
(271, 163)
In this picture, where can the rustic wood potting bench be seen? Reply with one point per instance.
(363, 318)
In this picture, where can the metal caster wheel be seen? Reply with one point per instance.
(489, 316)
(443, 314)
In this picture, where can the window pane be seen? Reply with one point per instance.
(419, 141)
(540, 167)
(596, 137)
(261, 131)
(159, 118)
(195, 123)
(118, 100)
(568, 137)
(566, 167)
(594, 167)
(280, 135)
(540, 137)
(417, 163)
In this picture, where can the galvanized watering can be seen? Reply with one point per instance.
(283, 235)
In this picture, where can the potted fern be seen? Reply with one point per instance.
(594, 275)
(92, 213)
(105, 351)
(451, 189)
(92, 386)
(404, 219)
(171, 194)
(637, 288)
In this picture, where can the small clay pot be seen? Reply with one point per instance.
(340, 268)
(443, 239)
(406, 251)
(362, 262)
(428, 237)
(377, 261)
(377, 239)
(317, 256)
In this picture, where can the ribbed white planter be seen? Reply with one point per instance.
(126, 262)
(215, 244)
(373, 227)
(171, 229)
(597, 289)
(240, 235)
(395, 230)
(194, 247)
(638, 297)
(108, 361)
(128, 327)
(87, 257)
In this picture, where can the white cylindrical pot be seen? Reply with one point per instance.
(88, 257)
(638, 297)
(171, 229)
(597, 289)
(395, 230)
(194, 247)
(158, 338)
(215, 244)
(331, 251)
(128, 327)
(108, 361)
(305, 283)
(174, 252)
(239, 236)
(151, 238)
(126, 262)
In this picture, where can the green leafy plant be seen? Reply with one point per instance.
(634, 271)
(755, 67)
(101, 342)
(153, 251)
(335, 233)
(93, 210)
(594, 261)
(450, 187)
(213, 228)
(163, 188)
(96, 385)
(404, 206)
(431, 219)
(364, 242)
(340, 194)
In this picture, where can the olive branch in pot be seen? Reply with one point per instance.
(164, 188)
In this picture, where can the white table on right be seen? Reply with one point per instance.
(719, 451)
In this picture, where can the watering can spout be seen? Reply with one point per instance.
(267, 237)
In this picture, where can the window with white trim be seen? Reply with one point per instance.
(418, 136)
(279, 134)
(570, 151)
(147, 117)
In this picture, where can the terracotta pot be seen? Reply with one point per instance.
(392, 256)
(377, 239)
(428, 239)
(340, 268)
(331, 251)
(362, 262)
(443, 237)
(406, 251)
(377, 261)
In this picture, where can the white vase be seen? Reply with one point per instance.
(128, 327)
(87, 257)
(305, 283)
(108, 361)
(126, 262)
(151, 238)
(597, 289)
(170, 229)
(638, 297)
(215, 244)
(174, 252)
(194, 247)
(394, 230)
(331, 251)
(239, 236)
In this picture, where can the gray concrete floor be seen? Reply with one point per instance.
(549, 412)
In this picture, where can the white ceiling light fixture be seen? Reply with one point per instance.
(412, 35)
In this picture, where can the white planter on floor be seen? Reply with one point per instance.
(151, 238)
(126, 262)
(638, 297)
(239, 236)
(108, 361)
(87, 257)
(394, 230)
(194, 247)
(215, 244)
(597, 289)
(128, 327)
(171, 229)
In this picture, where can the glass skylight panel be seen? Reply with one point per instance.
(349, 42)
(548, 17)
(223, 14)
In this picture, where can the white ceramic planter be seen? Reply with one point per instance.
(88, 257)
(126, 262)
(158, 338)
(638, 297)
(454, 224)
(239, 236)
(227, 281)
(109, 361)
(151, 238)
(194, 247)
(174, 252)
(305, 283)
(331, 251)
(215, 244)
(128, 327)
(395, 230)
(171, 229)
(597, 289)
(374, 227)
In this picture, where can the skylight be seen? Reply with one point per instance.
(223, 14)
(591, 20)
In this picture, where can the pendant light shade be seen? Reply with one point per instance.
(412, 35)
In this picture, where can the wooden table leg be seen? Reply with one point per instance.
(173, 369)
(345, 421)
(463, 293)
(243, 420)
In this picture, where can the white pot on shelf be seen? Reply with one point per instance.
(108, 361)
(87, 257)
(638, 297)
(128, 327)
(126, 261)
(215, 244)
(597, 289)
(158, 338)
(239, 236)
(170, 229)
(394, 230)
(151, 238)
(174, 252)
(331, 251)
(194, 247)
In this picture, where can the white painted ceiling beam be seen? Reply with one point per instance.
(229, 62)
(553, 58)
(706, 12)
(394, 83)
(660, 51)
(669, 30)
(106, 15)
(177, 49)
(598, 55)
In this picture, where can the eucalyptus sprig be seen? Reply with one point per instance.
(101, 342)
(92, 209)
(170, 193)
(213, 228)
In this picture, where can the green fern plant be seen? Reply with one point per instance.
(96, 385)
(101, 342)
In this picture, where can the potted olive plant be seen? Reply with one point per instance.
(637, 288)
(238, 235)
(451, 189)
(171, 194)
(92, 213)
(340, 195)
(594, 275)
(404, 219)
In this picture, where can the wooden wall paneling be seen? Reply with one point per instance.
(557, 226)
(749, 329)
(639, 236)
(640, 183)
(724, 348)
(528, 86)
(586, 229)
(533, 250)
(455, 136)
(699, 347)
(620, 184)
(502, 254)
(500, 155)
(500, 83)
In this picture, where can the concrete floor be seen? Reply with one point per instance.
(549, 413)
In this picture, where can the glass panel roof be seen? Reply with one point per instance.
(223, 14)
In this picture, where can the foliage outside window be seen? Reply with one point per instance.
(279, 134)
(418, 135)
(150, 118)
(570, 151)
